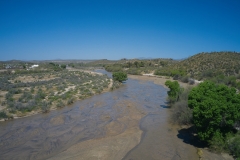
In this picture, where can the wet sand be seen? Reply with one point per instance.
(121, 135)
(109, 148)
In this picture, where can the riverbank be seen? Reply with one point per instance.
(128, 123)
(182, 131)
(35, 93)
(160, 80)
(160, 140)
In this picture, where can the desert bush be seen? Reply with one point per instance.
(9, 96)
(115, 85)
(3, 115)
(45, 107)
(176, 77)
(60, 104)
(184, 79)
(181, 113)
(10, 104)
(191, 81)
(3, 103)
(70, 101)
(19, 106)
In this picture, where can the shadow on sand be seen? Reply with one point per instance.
(165, 106)
(188, 136)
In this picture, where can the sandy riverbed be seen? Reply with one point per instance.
(156, 80)
(121, 136)
(203, 153)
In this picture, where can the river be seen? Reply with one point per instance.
(130, 122)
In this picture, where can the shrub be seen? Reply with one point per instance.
(191, 81)
(218, 143)
(234, 146)
(70, 101)
(60, 104)
(119, 76)
(181, 113)
(45, 107)
(184, 79)
(175, 90)
(3, 115)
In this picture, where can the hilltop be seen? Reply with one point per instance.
(210, 64)
(219, 67)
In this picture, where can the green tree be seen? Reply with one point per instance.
(136, 64)
(63, 66)
(215, 109)
(119, 76)
(3, 115)
(141, 64)
(174, 91)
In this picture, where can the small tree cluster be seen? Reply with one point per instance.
(119, 76)
(175, 90)
(215, 109)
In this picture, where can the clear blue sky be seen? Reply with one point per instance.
(115, 29)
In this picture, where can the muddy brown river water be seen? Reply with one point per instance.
(128, 123)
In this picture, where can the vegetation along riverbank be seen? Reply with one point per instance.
(51, 86)
(210, 112)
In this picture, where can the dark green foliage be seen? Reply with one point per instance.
(3, 115)
(234, 146)
(63, 66)
(174, 91)
(218, 143)
(119, 76)
(215, 109)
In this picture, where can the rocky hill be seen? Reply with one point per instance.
(204, 65)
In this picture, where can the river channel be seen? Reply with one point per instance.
(128, 123)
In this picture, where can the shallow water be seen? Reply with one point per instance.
(45, 135)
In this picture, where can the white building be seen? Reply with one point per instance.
(34, 66)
